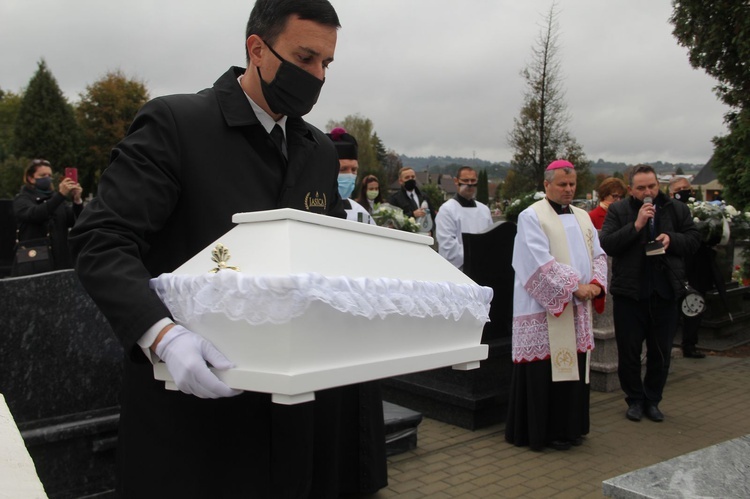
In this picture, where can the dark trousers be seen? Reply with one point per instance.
(690, 326)
(653, 320)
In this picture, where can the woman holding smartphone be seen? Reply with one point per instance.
(44, 214)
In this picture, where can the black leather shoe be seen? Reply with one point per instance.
(693, 354)
(654, 414)
(560, 444)
(577, 442)
(635, 411)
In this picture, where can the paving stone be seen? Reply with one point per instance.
(705, 403)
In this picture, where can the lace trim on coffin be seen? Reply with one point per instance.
(277, 299)
(552, 286)
(531, 336)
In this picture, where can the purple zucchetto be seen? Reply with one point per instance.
(560, 163)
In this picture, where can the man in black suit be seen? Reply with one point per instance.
(188, 163)
(409, 198)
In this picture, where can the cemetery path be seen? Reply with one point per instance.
(706, 402)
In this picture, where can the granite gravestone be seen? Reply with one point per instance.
(478, 398)
(60, 374)
(7, 236)
(721, 470)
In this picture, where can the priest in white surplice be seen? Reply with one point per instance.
(560, 270)
(461, 215)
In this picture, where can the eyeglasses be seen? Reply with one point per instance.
(37, 162)
(616, 196)
(472, 183)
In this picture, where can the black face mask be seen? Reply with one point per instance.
(293, 91)
(410, 184)
(43, 184)
(683, 195)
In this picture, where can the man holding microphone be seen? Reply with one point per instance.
(647, 235)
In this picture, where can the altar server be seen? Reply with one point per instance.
(461, 214)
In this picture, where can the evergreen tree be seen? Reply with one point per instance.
(11, 176)
(540, 134)
(104, 114)
(731, 160)
(10, 106)
(380, 151)
(717, 36)
(483, 188)
(435, 195)
(11, 167)
(391, 166)
(46, 127)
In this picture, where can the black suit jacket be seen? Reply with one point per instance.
(188, 163)
(403, 201)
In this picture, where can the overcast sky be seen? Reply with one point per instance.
(436, 77)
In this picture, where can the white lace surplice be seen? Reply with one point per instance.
(543, 285)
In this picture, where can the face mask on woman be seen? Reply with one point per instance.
(371, 195)
(43, 184)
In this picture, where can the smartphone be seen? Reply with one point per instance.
(72, 174)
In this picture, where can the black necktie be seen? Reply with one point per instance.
(277, 135)
(415, 204)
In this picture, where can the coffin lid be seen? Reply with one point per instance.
(289, 258)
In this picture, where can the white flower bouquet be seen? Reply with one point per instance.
(716, 220)
(520, 204)
(387, 215)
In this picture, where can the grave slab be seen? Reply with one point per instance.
(17, 472)
(722, 470)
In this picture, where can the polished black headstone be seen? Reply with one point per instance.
(7, 236)
(476, 398)
(60, 373)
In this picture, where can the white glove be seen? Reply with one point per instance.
(185, 354)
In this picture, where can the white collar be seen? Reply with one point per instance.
(265, 119)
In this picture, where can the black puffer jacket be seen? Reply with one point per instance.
(626, 245)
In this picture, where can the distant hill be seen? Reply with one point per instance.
(449, 165)
(602, 166)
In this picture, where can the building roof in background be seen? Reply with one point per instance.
(447, 184)
(706, 175)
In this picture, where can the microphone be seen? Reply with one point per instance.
(654, 247)
(650, 200)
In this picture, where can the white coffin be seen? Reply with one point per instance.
(320, 302)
